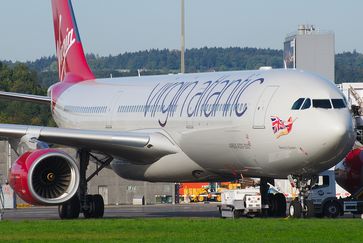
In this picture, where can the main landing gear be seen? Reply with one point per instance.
(301, 206)
(273, 204)
(91, 206)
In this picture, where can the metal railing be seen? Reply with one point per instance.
(360, 135)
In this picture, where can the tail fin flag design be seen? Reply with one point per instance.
(72, 64)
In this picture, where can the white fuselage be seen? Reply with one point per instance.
(220, 122)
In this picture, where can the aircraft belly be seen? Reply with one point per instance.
(215, 149)
(172, 168)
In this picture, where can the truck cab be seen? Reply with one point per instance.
(323, 196)
(324, 189)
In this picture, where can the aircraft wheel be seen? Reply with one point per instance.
(89, 213)
(281, 205)
(237, 214)
(99, 206)
(69, 209)
(96, 207)
(309, 210)
(272, 205)
(295, 209)
(277, 205)
(331, 209)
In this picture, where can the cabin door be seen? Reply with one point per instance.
(262, 105)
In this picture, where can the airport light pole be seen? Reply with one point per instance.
(182, 50)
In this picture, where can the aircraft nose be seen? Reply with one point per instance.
(333, 139)
(341, 132)
(340, 128)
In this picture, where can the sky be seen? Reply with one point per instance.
(111, 27)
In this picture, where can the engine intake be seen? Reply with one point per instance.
(349, 172)
(45, 177)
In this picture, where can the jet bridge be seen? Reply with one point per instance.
(354, 95)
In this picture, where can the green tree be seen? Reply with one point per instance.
(21, 79)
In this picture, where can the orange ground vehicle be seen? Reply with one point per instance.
(204, 191)
(194, 192)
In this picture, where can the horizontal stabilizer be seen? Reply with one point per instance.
(25, 97)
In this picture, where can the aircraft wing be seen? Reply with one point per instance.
(25, 97)
(133, 146)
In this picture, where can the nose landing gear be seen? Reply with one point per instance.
(301, 206)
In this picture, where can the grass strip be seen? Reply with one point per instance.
(184, 230)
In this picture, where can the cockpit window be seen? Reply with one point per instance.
(338, 103)
(325, 104)
(297, 104)
(306, 104)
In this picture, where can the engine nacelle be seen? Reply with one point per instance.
(45, 177)
(349, 172)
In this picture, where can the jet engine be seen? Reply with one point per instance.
(45, 177)
(349, 172)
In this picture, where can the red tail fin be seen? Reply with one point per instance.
(72, 64)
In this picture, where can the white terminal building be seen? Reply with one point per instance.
(311, 49)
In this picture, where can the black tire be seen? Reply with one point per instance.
(70, 209)
(309, 209)
(96, 206)
(332, 209)
(63, 211)
(281, 205)
(236, 214)
(277, 205)
(295, 209)
(250, 215)
(272, 205)
(89, 213)
(99, 206)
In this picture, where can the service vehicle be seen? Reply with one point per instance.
(248, 202)
(326, 203)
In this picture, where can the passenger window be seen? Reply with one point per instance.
(325, 104)
(297, 104)
(306, 105)
(338, 103)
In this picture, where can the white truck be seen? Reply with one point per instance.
(240, 202)
(323, 196)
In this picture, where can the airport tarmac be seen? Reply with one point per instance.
(125, 211)
(197, 210)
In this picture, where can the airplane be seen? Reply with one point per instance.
(214, 126)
